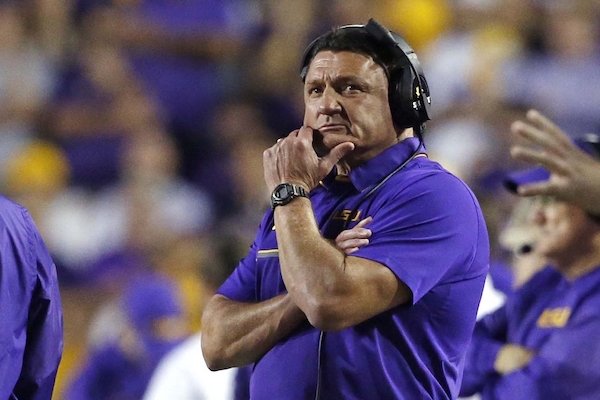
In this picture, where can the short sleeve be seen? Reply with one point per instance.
(429, 232)
(241, 284)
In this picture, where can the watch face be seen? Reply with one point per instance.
(282, 192)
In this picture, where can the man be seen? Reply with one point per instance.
(542, 344)
(393, 318)
(31, 331)
(575, 174)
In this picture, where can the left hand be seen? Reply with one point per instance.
(294, 160)
(350, 240)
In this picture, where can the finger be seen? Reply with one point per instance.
(347, 244)
(350, 250)
(549, 161)
(535, 136)
(293, 133)
(552, 130)
(306, 132)
(537, 189)
(363, 222)
(349, 234)
(335, 155)
(541, 131)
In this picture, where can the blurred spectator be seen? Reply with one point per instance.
(183, 374)
(236, 163)
(184, 52)
(419, 21)
(31, 337)
(35, 176)
(463, 64)
(516, 260)
(468, 131)
(272, 72)
(149, 204)
(565, 54)
(97, 104)
(121, 368)
(541, 343)
(26, 80)
(520, 237)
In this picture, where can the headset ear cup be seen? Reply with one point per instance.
(402, 93)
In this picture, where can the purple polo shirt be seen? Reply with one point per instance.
(556, 318)
(429, 230)
(31, 338)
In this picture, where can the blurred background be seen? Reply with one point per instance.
(133, 130)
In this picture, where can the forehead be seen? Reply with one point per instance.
(333, 64)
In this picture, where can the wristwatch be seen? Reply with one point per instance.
(286, 192)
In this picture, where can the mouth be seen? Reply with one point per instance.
(334, 128)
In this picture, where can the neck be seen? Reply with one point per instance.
(580, 264)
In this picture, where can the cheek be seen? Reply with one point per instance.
(310, 115)
(559, 236)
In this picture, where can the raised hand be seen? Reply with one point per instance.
(294, 160)
(575, 175)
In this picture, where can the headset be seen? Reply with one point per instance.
(409, 96)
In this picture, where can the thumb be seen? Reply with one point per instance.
(336, 154)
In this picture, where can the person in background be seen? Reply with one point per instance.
(182, 374)
(121, 368)
(394, 318)
(542, 343)
(574, 174)
(31, 331)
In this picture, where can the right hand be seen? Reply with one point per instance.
(351, 240)
(574, 173)
(294, 160)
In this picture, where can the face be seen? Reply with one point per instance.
(566, 232)
(346, 99)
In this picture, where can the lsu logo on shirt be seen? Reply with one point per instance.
(554, 317)
(348, 215)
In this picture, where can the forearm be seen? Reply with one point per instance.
(333, 290)
(312, 268)
(236, 334)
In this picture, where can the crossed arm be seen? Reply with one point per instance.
(236, 333)
(324, 285)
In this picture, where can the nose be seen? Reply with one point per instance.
(538, 215)
(329, 103)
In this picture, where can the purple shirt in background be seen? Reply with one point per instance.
(188, 88)
(31, 326)
(557, 319)
(429, 230)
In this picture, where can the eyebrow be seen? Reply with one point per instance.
(341, 78)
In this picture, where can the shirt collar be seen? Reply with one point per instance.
(373, 171)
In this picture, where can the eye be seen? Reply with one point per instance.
(351, 88)
(314, 90)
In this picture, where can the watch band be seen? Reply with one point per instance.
(286, 192)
